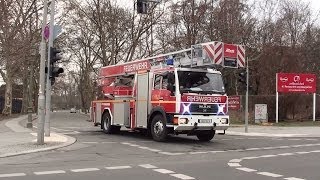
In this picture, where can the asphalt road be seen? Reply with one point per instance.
(134, 156)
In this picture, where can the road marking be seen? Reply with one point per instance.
(235, 160)
(253, 149)
(295, 139)
(293, 178)
(216, 151)
(246, 169)
(267, 156)
(85, 170)
(148, 166)
(250, 158)
(234, 164)
(181, 176)
(12, 175)
(198, 152)
(118, 167)
(303, 152)
(90, 142)
(266, 148)
(163, 171)
(311, 139)
(284, 147)
(49, 172)
(286, 154)
(269, 174)
(171, 154)
(133, 145)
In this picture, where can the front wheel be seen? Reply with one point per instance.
(158, 128)
(106, 125)
(206, 135)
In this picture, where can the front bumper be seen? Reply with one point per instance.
(201, 122)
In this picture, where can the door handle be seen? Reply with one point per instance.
(160, 98)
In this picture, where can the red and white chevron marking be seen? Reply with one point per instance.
(209, 49)
(218, 52)
(241, 56)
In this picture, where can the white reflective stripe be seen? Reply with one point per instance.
(235, 160)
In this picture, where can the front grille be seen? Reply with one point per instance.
(201, 108)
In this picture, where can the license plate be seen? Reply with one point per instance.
(205, 120)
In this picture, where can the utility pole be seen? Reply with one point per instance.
(48, 90)
(247, 100)
(41, 98)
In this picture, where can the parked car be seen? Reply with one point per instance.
(73, 110)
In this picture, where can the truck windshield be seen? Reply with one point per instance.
(200, 82)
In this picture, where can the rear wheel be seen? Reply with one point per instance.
(158, 128)
(206, 135)
(106, 125)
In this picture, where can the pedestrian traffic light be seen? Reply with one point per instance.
(54, 55)
(54, 70)
(141, 7)
(243, 77)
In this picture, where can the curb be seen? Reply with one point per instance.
(70, 141)
(234, 133)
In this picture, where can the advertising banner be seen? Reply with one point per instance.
(296, 83)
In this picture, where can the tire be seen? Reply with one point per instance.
(206, 135)
(158, 128)
(106, 125)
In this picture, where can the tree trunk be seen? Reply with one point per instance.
(25, 92)
(7, 110)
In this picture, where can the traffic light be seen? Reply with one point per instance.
(54, 70)
(243, 77)
(54, 55)
(141, 7)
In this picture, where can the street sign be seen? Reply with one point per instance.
(260, 113)
(234, 102)
(46, 32)
(56, 31)
(293, 82)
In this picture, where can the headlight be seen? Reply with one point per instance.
(183, 121)
(224, 121)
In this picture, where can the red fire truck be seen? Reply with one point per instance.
(174, 93)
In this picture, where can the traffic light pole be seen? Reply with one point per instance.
(48, 90)
(41, 98)
(247, 100)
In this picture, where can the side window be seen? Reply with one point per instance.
(164, 82)
(157, 81)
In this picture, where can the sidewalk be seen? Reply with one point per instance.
(16, 139)
(275, 131)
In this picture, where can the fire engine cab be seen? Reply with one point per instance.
(174, 93)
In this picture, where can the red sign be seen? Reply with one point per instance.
(234, 102)
(125, 68)
(205, 99)
(230, 50)
(292, 82)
